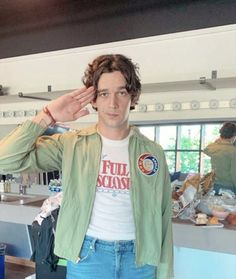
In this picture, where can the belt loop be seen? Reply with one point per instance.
(116, 246)
(134, 248)
(92, 244)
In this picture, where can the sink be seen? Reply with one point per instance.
(37, 203)
(16, 199)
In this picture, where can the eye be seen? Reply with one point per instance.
(123, 93)
(103, 94)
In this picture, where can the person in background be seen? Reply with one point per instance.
(223, 158)
(115, 217)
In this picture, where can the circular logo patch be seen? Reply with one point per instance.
(148, 164)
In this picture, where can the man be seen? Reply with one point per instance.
(115, 218)
(223, 158)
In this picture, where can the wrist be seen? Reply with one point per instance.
(49, 114)
(42, 119)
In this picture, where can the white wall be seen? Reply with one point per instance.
(174, 57)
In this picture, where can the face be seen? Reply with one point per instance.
(113, 105)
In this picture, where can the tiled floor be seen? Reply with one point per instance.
(15, 271)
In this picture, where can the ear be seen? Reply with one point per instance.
(94, 103)
(134, 101)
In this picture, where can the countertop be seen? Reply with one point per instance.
(14, 212)
(187, 234)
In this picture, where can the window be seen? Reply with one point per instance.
(184, 143)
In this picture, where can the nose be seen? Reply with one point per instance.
(113, 101)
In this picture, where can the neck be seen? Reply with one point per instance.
(114, 134)
(226, 140)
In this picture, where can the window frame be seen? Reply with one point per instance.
(176, 149)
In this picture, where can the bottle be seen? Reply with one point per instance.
(7, 186)
(2, 186)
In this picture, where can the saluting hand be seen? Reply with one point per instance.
(71, 106)
(68, 107)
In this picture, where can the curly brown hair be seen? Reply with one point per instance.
(111, 63)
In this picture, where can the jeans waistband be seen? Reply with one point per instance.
(117, 245)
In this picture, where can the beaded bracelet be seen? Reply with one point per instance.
(47, 111)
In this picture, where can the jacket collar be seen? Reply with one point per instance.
(90, 130)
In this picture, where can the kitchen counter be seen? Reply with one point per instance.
(21, 214)
(187, 234)
(213, 249)
(15, 212)
(203, 252)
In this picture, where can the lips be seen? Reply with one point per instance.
(112, 114)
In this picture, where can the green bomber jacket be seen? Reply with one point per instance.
(223, 162)
(77, 154)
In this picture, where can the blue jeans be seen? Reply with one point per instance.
(108, 260)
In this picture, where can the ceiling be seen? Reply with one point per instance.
(33, 26)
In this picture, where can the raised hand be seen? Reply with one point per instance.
(71, 106)
(68, 107)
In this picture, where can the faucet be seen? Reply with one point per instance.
(22, 189)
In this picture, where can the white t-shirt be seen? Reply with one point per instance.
(112, 216)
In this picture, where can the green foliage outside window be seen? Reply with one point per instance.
(170, 159)
(183, 149)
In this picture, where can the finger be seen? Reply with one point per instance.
(81, 113)
(77, 92)
(81, 92)
(89, 92)
(86, 100)
(77, 105)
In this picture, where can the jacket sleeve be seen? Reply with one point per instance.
(233, 168)
(165, 267)
(25, 150)
(206, 150)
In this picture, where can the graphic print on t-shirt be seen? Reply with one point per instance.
(114, 177)
(112, 215)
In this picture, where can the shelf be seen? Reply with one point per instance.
(31, 97)
(185, 85)
(190, 85)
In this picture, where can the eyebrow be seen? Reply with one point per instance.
(106, 90)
